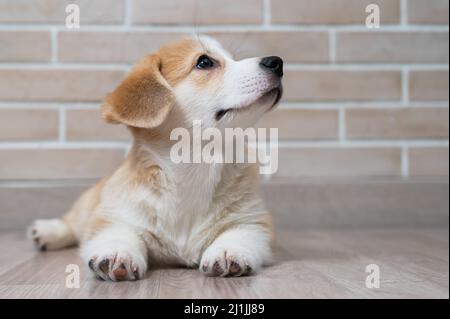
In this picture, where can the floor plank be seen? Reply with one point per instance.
(414, 263)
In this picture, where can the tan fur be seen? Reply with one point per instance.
(178, 60)
(143, 99)
(82, 212)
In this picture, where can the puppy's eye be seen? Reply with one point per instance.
(204, 62)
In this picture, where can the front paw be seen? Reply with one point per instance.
(117, 266)
(226, 262)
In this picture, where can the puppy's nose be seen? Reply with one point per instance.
(274, 64)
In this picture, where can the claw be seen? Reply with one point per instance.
(91, 264)
(104, 266)
(217, 269)
(136, 273)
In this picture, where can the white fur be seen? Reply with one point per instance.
(229, 248)
(51, 234)
(120, 245)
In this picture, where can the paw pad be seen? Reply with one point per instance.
(222, 263)
(114, 268)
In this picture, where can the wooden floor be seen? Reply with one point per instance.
(310, 264)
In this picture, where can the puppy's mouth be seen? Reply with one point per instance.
(274, 94)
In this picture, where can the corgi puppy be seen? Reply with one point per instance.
(153, 211)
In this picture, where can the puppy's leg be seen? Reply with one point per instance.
(51, 234)
(237, 251)
(116, 253)
(60, 233)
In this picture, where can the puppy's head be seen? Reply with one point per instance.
(195, 79)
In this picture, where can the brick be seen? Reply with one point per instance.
(28, 124)
(58, 163)
(53, 11)
(197, 12)
(291, 46)
(428, 12)
(420, 123)
(126, 47)
(428, 85)
(61, 85)
(113, 47)
(428, 161)
(341, 85)
(331, 11)
(88, 125)
(306, 124)
(303, 162)
(25, 46)
(392, 47)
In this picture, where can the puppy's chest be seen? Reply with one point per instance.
(177, 232)
(184, 217)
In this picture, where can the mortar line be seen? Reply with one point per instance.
(61, 125)
(54, 46)
(267, 14)
(404, 12)
(332, 38)
(405, 86)
(405, 161)
(226, 28)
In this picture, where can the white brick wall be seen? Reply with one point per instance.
(334, 66)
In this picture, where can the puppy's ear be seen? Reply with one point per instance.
(143, 99)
